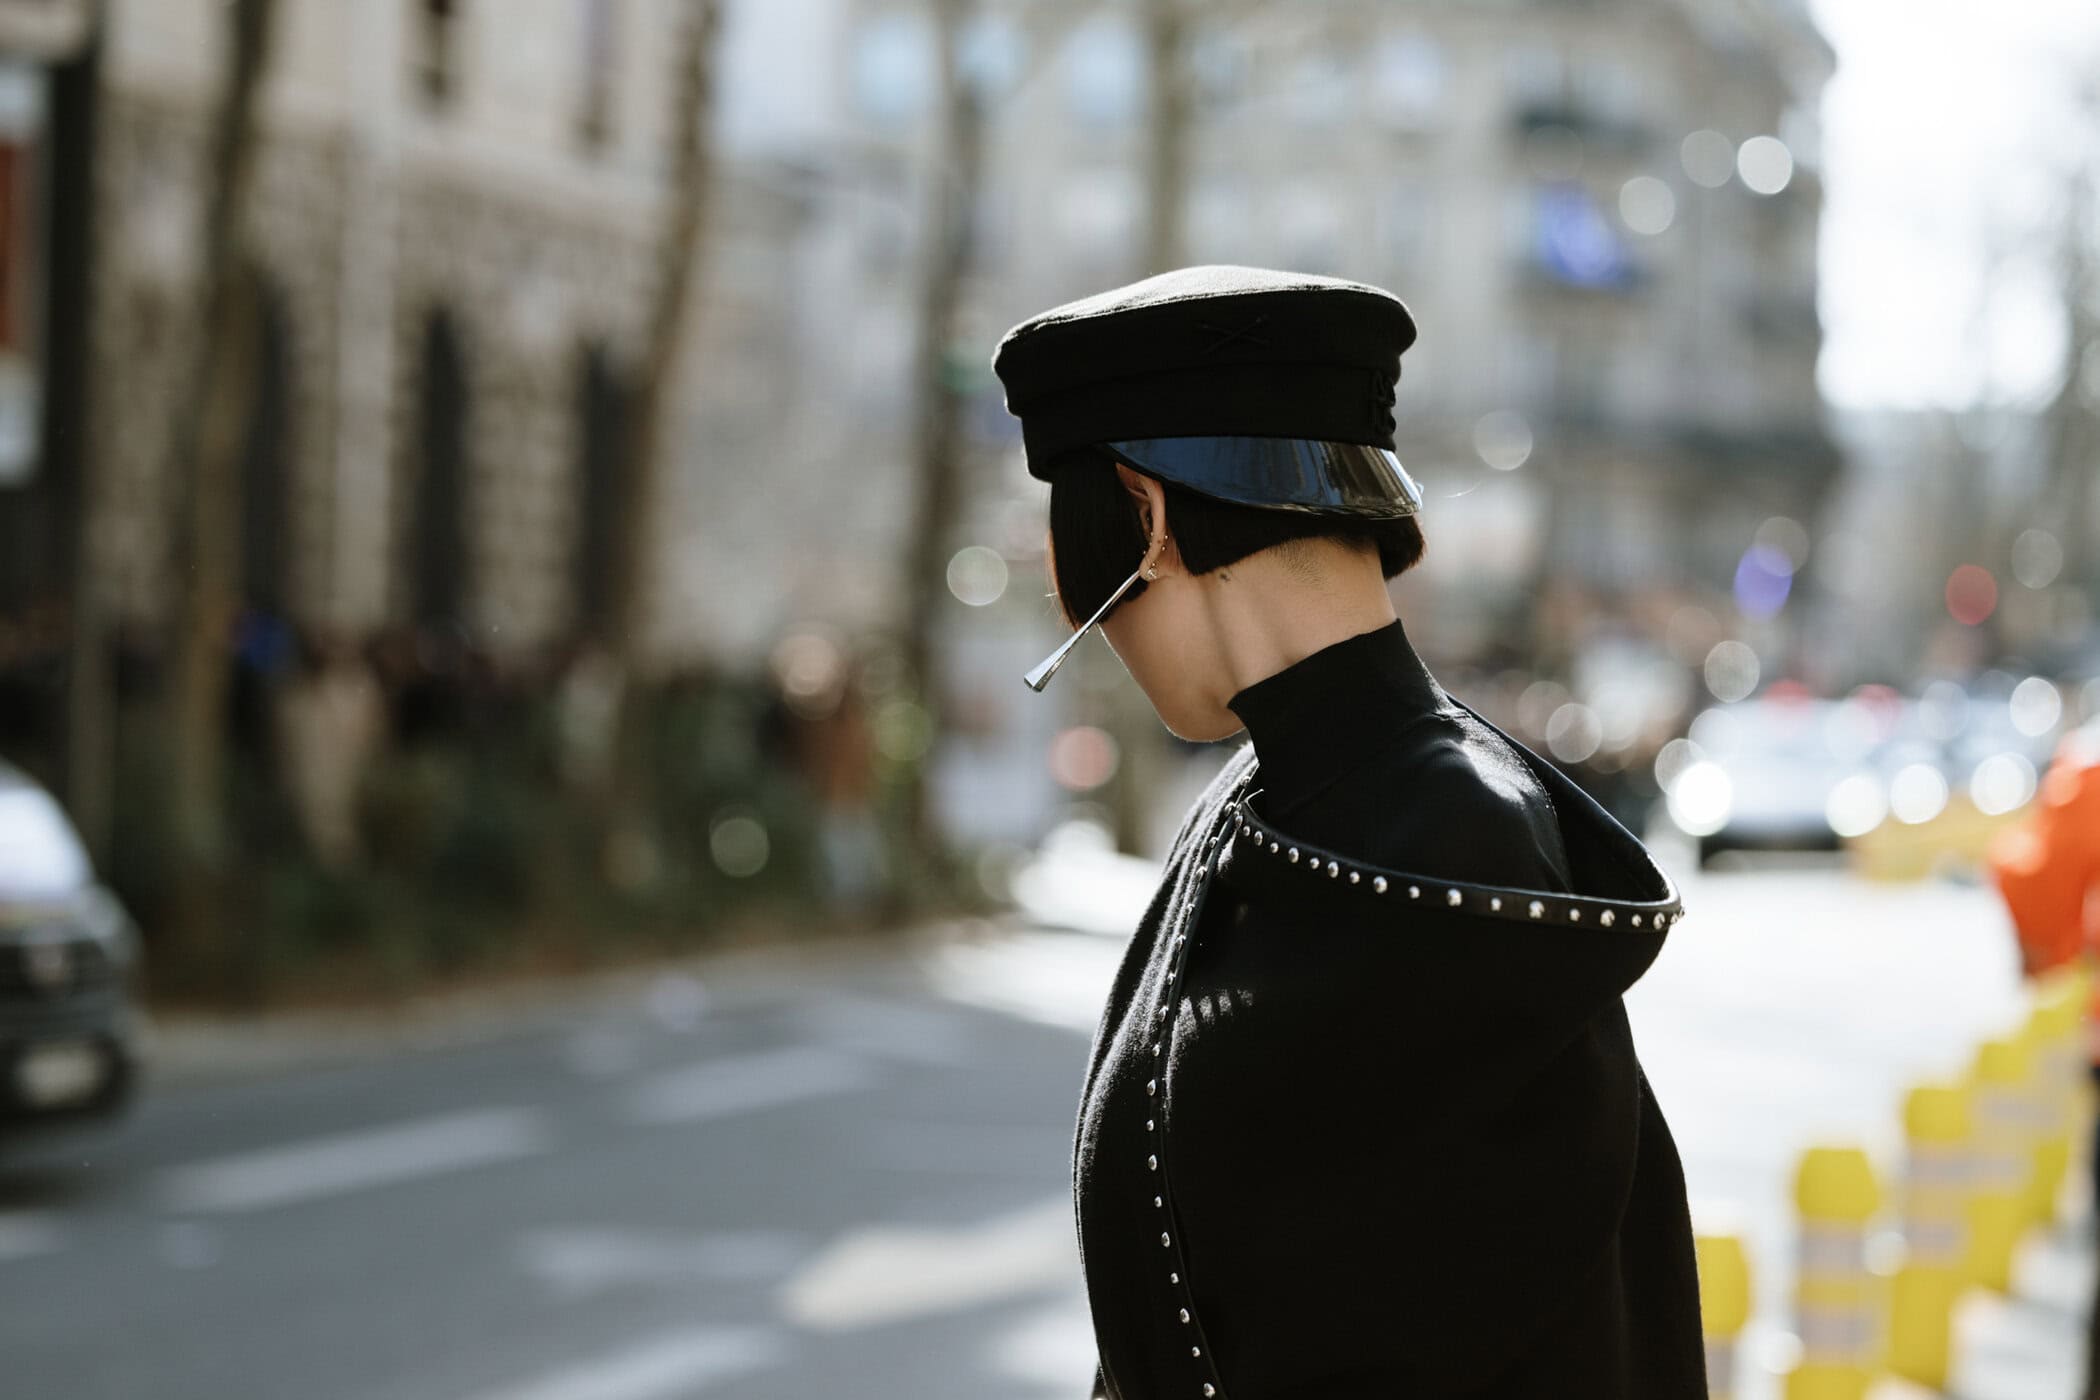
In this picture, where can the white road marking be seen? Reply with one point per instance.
(1033, 1353)
(927, 1035)
(742, 1084)
(673, 1364)
(28, 1233)
(577, 1262)
(1057, 979)
(889, 1274)
(347, 1162)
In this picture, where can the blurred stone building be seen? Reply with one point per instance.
(1604, 215)
(453, 235)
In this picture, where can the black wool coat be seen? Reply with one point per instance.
(1363, 1116)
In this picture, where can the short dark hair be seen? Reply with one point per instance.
(1097, 539)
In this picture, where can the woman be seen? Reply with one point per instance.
(1363, 1116)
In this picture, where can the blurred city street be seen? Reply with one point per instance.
(529, 871)
(849, 1176)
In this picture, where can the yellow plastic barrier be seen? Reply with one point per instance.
(1937, 1180)
(1724, 1307)
(2054, 1034)
(1958, 838)
(2003, 1118)
(1838, 1302)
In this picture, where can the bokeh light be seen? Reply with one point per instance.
(1943, 710)
(1856, 805)
(1731, 670)
(903, 731)
(1785, 537)
(1503, 439)
(1083, 758)
(1917, 793)
(2002, 783)
(1702, 799)
(738, 842)
(2036, 707)
(1709, 158)
(1574, 733)
(1647, 204)
(1765, 164)
(2037, 558)
(1972, 595)
(810, 669)
(1538, 703)
(1763, 578)
(977, 575)
(1673, 759)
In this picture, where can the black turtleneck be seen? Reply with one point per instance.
(1360, 728)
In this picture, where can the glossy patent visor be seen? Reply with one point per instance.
(1323, 478)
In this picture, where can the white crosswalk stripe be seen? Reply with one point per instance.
(346, 1162)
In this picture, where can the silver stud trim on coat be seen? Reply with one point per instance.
(1497, 901)
(1179, 953)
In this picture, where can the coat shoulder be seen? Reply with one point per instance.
(1459, 801)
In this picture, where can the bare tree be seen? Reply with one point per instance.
(652, 407)
(204, 451)
(954, 176)
(1167, 31)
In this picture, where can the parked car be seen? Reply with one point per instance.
(68, 960)
(1761, 780)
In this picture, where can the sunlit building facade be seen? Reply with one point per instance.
(1603, 214)
(453, 244)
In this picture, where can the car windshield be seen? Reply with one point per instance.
(39, 855)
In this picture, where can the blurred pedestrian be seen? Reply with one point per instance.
(1363, 1115)
(2048, 870)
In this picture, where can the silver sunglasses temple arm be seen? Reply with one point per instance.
(1040, 676)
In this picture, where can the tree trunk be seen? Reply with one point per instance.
(90, 699)
(204, 450)
(954, 175)
(1167, 136)
(653, 402)
(1130, 718)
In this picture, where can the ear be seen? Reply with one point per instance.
(1151, 500)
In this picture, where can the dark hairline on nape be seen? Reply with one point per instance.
(1097, 539)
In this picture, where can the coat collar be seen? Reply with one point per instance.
(1313, 721)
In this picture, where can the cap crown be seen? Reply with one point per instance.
(1208, 351)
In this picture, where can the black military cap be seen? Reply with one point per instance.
(1270, 389)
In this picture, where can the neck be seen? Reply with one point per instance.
(1274, 609)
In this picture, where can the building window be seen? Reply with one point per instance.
(1403, 226)
(991, 52)
(1221, 219)
(1311, 226)
(1568, 240)
(437, 52)
(601, 56)
(1218, 64)
(602, 398)
(893, 73)
(1100, 211)
(1408, 74)
(1104, 73)
(1319, 94)
(438, 522)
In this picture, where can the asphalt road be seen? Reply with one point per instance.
(852, 1185)
(852, 1179)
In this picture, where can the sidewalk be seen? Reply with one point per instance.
(2031, 1345)
(1796, 1007)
